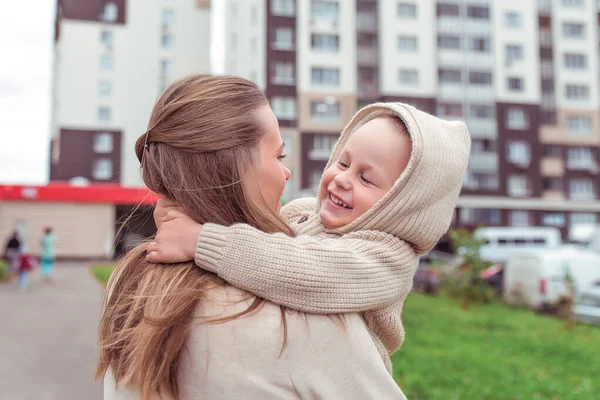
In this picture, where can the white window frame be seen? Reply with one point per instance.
(105, 88)
(519, 218)
(518, 186)
(325, 10)
(168, 17)
(325, 76)
(327, 42)
(167, 67)
(572, 3)
(580, 158)
(513, 53)
(284, 8)
(325, 111)
(104, 114)
(284, 107)
(110, 13)
(569, 31)
(581, 189)
(519, 152)
(513, 19)
(103, 143)
(406, 43)
(517, 119)
(554, 219)
(406, 10)
(283, 38)
(521, 82)
(103, 169)
(106, 62)
(576, 61)
(408, 77)
(577, 92)
(578, 125)
(168, 41)
(283, 73)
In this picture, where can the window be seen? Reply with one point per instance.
(286, 8)
(516, 119)
(572, 3)
(582, 218)
(111, 12)
(323, 142)
(168, 41)
(580, 157)
(512, 19)
(547, 68)
(448, 42)
(166, 67)
(103, 169)
(104, 114)
(408, 77)
(449, 75)
(325, 76)
(105, 88)
(519, 152)
(284, 73)
(449, 110)
(284, 107)
(107, 38)
(548, 85)
(579, 126)
(513, 53)
(483, 111)
(407, 43)
(407, 10)
(448, 9)
(518, 186)
(480, 78)
(324, 111)
(478, 12)
(168, 17)
(106, 62)
(548, 117)
(519, 218)
(325, 10)
(553, 151)
(553, 184)
(284, 38)
(575, 61)
(554, 219)
(577, 92)
(103, 142)
(480, 215)
(325, 42)
(573, 30)
(479, 44)
(515, 84)
(581, 189)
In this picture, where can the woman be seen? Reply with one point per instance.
(213, 145)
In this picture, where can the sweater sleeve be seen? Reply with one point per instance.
(356, 272)
(296, 209)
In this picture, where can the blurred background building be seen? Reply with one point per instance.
(523, 75)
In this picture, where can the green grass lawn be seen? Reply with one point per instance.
(102, 272)
(3, 270)
(493, 352)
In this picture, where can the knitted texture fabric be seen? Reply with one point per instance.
(366, 266)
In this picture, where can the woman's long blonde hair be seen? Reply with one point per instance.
(202, 141)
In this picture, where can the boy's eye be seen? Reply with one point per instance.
(342, 164)
(281, 157)
(364, 179)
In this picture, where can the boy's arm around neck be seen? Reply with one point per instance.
(360, 271)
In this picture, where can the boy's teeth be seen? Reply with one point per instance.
(339, 202)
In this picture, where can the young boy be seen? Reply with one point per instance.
(387, 196)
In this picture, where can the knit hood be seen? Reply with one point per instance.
(420, 205)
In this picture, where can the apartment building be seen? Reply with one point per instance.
(113, 58)
(523, 75)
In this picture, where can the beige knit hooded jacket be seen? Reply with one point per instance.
(368, 265)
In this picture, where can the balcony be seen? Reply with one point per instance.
(482, 128)
(367, 56)
(483, 162)
(552, 166)
(366, 22)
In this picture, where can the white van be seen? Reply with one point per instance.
(537, 277)
(499, 243)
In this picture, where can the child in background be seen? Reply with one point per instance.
(48, 253)
(26, 263)
(386, 197)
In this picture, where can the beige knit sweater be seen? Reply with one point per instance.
(368, 265)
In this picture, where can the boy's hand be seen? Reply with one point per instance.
(175, 240)
(163, 206)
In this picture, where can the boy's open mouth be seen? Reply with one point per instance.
(338, 201)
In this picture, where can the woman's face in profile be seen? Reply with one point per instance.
(272, 173)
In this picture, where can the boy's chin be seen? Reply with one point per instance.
(330, 221)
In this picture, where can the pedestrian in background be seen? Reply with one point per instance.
(26, 263)
(48, 254)
(11, 254)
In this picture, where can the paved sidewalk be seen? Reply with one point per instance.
(47, 337)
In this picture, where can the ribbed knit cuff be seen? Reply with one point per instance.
(210, 246)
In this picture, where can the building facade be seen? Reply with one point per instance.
(523, 75)
(113, 58)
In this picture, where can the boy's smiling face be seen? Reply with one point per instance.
(372, 160)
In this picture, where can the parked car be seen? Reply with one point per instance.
(431, 265)
(587, 308)
(536, 278)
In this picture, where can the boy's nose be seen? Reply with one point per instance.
(343, 180)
